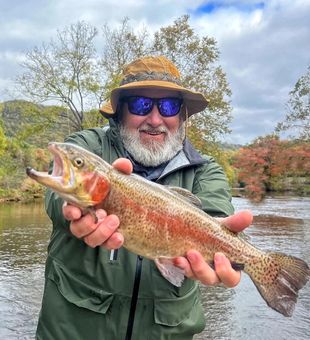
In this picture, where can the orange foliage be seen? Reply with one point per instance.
(261, 164)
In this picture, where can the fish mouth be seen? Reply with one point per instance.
(62, 176)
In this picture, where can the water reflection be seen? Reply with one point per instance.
(281, 224)
(24, 233)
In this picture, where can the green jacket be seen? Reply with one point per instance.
(93, 293)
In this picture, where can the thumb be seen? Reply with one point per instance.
(238, 221)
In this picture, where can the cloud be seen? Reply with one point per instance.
(263, 52)
(264, 45)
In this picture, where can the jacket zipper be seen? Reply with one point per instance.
(134, 298)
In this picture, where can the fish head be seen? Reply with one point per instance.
(78, 176)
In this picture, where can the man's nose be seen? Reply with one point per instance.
(154, 118)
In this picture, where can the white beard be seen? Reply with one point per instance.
(154, 152)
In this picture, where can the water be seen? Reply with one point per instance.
(281, 224)
(24, 233)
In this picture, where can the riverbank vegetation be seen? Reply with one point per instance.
(69, 72)
(269, 164)
(273, 165)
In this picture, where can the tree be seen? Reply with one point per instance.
(197, 60)
(271, 164)
(64, 70)
(121, 46)
(298, 109)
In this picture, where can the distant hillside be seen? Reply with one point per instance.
(230, 147)
(20, 115)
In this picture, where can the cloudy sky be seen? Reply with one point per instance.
(264, 45)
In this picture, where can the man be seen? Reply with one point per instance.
(95, 288)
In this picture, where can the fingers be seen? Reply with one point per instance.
(71, 212)
(196, 268)
(183, 263)
(103, 233)
(201, 270)
(238, 221)
(124, 165)
(229, 277)
(86, 224)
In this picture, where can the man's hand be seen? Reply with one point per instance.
(104, 232)
(196, 268)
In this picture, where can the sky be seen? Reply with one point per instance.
(264, 45)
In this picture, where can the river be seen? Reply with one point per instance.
(281, 224)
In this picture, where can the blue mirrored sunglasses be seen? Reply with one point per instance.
(141, 106)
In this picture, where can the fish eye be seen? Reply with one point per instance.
(78, 162)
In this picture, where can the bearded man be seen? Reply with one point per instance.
(95, 288)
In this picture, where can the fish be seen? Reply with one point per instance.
(161, 223)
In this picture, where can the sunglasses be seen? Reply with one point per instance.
(141, 106)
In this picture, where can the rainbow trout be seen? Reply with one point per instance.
(161, 223)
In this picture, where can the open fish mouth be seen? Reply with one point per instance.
(62, 176)
(58, 164)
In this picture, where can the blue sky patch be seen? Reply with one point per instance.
(213, 6)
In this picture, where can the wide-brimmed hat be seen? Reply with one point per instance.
(154, 73)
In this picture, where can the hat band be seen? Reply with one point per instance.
(150, 76)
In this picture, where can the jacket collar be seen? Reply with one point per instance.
(187, 157)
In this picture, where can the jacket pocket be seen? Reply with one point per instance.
(180, 311)
(78, 292)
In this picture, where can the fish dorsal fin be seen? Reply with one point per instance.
(190, 197)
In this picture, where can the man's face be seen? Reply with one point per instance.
(152, 139)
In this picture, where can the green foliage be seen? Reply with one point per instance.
(3, 140)
(213, 149)
(24, 128)
(13, 179)
(34, 124)
(93, 119)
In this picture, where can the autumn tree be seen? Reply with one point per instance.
(271, 164)
(298, 109)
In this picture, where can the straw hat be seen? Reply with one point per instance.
(153, 73)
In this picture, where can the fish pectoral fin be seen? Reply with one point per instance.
(169, 271)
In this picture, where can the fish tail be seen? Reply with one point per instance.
(278, 278)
